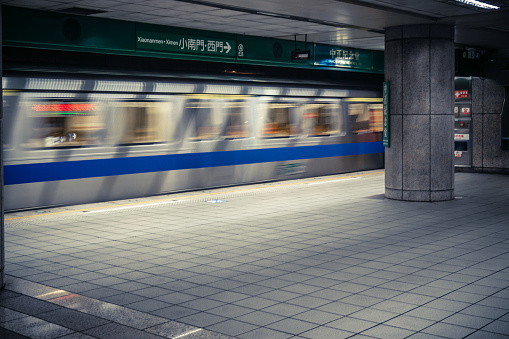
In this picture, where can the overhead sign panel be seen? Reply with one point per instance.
(29, 28)
(173, 40)
(327, 55)
(272, 51)
(42, 29)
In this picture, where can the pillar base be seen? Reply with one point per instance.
(423, 196)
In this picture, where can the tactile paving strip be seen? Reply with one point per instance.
(220, 194)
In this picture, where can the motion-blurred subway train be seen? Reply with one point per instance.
(72, 140)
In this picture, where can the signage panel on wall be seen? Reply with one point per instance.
(386, 115)
(461, 136)
(463, 94)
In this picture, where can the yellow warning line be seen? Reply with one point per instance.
(190, 196)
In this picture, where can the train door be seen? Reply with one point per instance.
(462, 122)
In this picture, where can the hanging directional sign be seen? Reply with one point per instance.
(185, 41)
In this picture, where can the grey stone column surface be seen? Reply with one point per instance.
(2, 238)
(419, 64)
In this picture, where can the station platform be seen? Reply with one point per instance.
(325, 257)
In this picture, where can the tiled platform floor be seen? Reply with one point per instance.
(314, 258)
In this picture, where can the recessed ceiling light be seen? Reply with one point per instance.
(479, 4)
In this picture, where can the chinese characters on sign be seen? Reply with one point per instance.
(200, 45)
(326, 55)
(175, 43)
(343, 57)
(461, 136)
(386, 137)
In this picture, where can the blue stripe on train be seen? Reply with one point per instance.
(65, 170)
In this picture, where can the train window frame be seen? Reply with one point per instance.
(155, 115)
(200, 130)
(376, 121)
(372, 112)
(10, 102)
(334, 114)
(63, 124)
(242, 129)
(290, 131)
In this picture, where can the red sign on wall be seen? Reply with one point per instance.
(461, 94)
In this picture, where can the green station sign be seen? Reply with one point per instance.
(386, 136)
(270, 51)
(50, 30)
(166, 40)
(337, 56)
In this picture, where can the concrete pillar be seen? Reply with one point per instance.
(419, 63)
(2, 238)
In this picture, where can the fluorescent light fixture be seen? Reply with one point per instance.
(479, 4)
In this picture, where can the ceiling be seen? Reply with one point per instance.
(352, 23)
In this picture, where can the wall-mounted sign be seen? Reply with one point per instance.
(461, 94)
(458, 154)
(386, 115)
(465, 111)
(461, 136)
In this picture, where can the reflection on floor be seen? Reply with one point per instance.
(312, 258)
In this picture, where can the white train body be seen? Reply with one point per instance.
(80, 140)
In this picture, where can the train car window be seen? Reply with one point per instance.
(64, 124)
(376, 117)
(237, 120)
(205, 119)
(359, 117)
(141, 122)
(277, 122)
(321, 119)
(365, 117)
(10, 102)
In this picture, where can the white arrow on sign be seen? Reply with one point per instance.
(228, 47)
